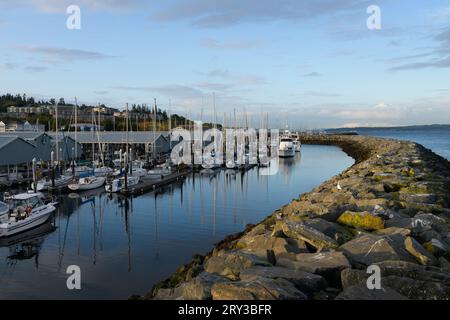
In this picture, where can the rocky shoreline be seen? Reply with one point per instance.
(389, 210)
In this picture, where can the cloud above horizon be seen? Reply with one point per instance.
(58, 54)
(224, 13)
(55, 6)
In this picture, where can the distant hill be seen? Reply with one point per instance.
(406, 128)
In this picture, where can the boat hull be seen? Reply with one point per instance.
(286, 153)
(9, 229)
(99, 181)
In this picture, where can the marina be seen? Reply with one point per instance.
(124, 245)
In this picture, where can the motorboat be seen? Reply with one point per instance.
(25, 211)
(87, 183)
(286, 147)
(60, 182)
(118, 184)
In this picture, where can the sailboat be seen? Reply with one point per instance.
(87, 183)
(60, 181)
(76, 170)
(123, 183)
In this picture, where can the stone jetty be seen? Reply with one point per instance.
(389, 212)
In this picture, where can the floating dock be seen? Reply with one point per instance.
(150, 185)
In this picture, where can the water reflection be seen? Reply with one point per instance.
(125, 245)
(26, 245)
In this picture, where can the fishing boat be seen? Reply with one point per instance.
(118, 184)
(87, 183)
(286, 147)
(60, 182)
(25, 211)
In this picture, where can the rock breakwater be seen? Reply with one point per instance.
(389, 210)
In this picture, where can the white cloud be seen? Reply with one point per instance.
(56, 6)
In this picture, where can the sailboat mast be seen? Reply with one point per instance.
(57, 138)
(154, 128)
(76, 129)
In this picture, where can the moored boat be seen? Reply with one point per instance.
(25, 211)
(118, 184)
(87, 183)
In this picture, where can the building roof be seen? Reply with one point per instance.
(4, 140)
(26, 135)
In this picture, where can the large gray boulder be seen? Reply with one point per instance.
(304, 281)
(301, 231)
(231, 264)
(369, 249)
(257, 289)
(417, 251)
(327, 264)
(361, 292)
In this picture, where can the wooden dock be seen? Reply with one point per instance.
(150, 185)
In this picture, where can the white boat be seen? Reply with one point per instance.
(25, 211)
(286, 148)
(118, 184)
(103, 171)
(159, 172)
(80, 171)
(44, 184)
(297, 145)
(137, 170)
(88, 183)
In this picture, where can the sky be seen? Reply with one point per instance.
(308, 64)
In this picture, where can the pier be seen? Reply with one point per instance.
(150, 185)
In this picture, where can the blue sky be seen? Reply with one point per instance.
(307, 63)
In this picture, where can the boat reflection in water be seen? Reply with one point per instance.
(26, 245)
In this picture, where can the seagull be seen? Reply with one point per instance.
(339, 186)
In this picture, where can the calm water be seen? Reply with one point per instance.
(124, 246)
(436, 138)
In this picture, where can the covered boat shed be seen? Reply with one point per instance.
(15, 151)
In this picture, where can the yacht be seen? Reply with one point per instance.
(24, 211)
(88, 183)
(286, 148)
(118, 184)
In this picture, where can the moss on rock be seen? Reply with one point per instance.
(363, 220)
